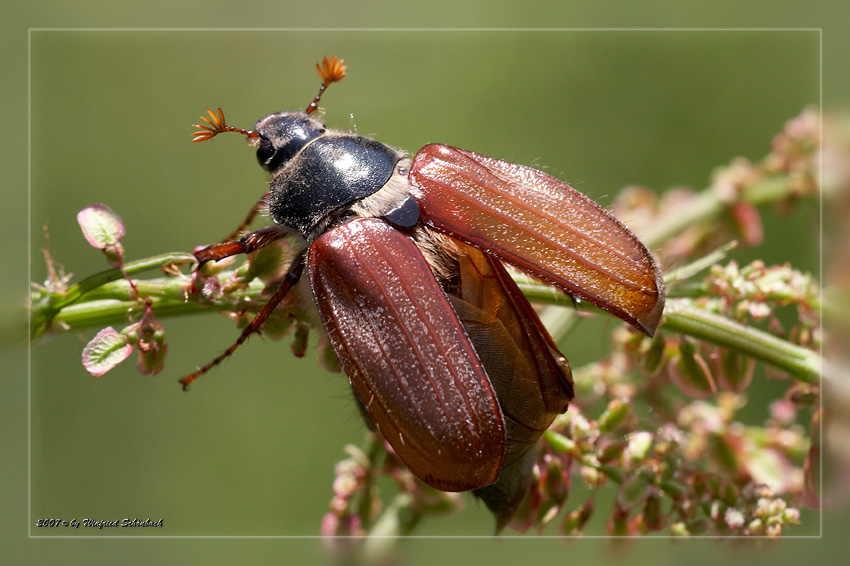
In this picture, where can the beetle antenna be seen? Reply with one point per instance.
(217, 125)
(331, 71)
(289, 280)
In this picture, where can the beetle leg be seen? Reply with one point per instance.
(247, 244)
(289, 280)
(260, 205)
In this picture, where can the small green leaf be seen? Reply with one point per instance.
(101, 227)
(575, 520)
(105, 351)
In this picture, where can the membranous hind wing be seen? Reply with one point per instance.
(407, 354)
(542, 226)
(532, 379)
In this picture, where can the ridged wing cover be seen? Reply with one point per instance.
(542, 226)
(407, 354)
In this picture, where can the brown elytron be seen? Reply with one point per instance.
(541, 225)
(407, 354)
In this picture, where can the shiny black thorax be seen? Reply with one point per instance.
(318, 172)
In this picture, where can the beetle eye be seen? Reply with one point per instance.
(265, 153)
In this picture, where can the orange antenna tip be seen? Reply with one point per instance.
(332, 70)
(217, 125)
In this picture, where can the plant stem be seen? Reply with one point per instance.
(397, 520)
(47, 306)
(88, 284)
(708, 205)
(112, 301)
(803, 364)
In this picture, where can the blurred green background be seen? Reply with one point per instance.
(251, 450)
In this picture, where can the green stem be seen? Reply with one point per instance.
(708, 205)
(805, 365)
(680, 316)
(112, 301)
(75, 292)
(397, 520)
(675, 277)
(47, 306)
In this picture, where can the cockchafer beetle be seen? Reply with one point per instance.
(404, 259)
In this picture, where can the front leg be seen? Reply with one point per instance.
(247, 244)
(293, 275)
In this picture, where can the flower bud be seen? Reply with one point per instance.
(679, 529)
(151, 343)
(639, 444)
(748, 222)
(736, 371)
(653, 519)
(575, 520)
(654, 359)
(689, 372)
(614, 414)
(618, 523)
(611, 450)
(299, 341)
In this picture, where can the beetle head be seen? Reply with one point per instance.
(281, 136)
(278, 137)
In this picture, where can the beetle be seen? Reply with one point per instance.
(406, 265)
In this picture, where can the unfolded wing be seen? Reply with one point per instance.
(532, 379)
